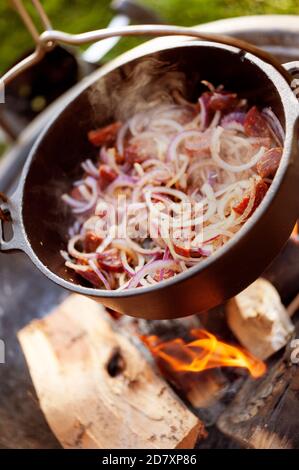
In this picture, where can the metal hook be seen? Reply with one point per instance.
(41, 48)
(27, 20)
(42, 14)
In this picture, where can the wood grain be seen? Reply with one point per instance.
(95, 387)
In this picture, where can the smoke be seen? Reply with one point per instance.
(136, 87)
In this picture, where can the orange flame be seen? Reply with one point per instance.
(295, 231)
(205, 352)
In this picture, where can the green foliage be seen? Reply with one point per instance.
(81, 15)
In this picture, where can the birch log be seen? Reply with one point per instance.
(259, 320)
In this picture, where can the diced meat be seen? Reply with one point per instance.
(120, 159)
(132, 154)
(104, 135)
(166, 274)
(255, 125)
(110, 261)
(222, 101)
(91, 242)
(259, 142)
(240, 208)
(91, 277)
(260, 192)
(187, 250)
(269, 163)
(106, 176)
(137, 152)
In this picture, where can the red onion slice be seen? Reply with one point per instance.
(99, 274)
(122, 181)
(90, 168)
(150, 268)
(178, 139)
(274, 124)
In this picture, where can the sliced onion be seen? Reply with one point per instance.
(150, 268)
(178, 139)
(275, 126)
(90, 168)
(235, 117)
(203, 113)
(91, 182)
(215, 120)
(155, 176)
(122, 181)
(104, 155)
(170, 191)
(140, 249)
(185, 158)
(99, 274)
(215, 148)
(171, 123)
(74, 252)
(180, 172)
(72, 202)
(121, 136)
(125, 263)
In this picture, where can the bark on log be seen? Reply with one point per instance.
(95, 387)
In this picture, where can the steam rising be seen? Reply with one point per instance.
(136, 87)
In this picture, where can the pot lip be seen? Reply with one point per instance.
(290, 108)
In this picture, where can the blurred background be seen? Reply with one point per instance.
(80, 15)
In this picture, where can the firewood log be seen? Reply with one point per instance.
(259, 320)
(95, 387)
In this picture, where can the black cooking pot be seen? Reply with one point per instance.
(40, 221)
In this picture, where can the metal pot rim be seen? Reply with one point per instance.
(291, 111)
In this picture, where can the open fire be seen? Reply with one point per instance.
(206, 351)
(202, 396)
(203, 353)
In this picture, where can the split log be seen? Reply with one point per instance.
(259, 320)
(265, 413)
(95, 387)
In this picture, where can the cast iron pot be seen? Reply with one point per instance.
(40, 221)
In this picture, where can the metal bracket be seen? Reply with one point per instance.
(7, 215)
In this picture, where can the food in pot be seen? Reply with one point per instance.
(169, 187)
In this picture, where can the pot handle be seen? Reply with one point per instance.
(9, 213)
